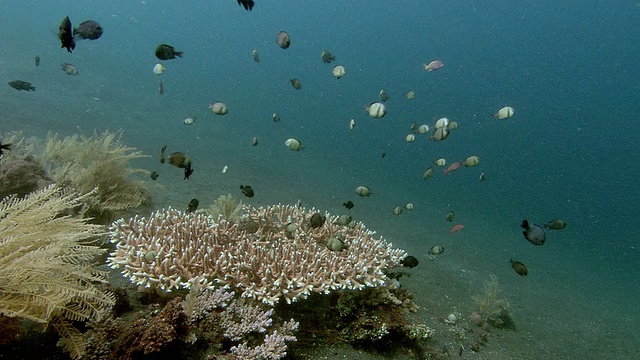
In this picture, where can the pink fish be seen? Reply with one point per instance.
(434, 65)
(453, 167)
(456, 228)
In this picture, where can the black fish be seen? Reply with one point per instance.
(167, 52)
(37, 60)
(409, 261)
(21, 85)
(187, 170)
(520, 268)
(65, 35)
(154, 175)
(246, 190)
(349, 204)
(317, 220)
(88, 30)
(4, 147)
(247, 4)
(193, 205)
(532, 232)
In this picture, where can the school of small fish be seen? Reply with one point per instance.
(439, 131)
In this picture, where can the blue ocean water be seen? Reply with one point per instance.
(570, 70)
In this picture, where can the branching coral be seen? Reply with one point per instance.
(271, 253)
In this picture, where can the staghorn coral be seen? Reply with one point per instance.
(100, 162)
(493, 307)
(271, 253)
(228, 207)
(46, 272)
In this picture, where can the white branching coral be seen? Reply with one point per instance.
(270, 253)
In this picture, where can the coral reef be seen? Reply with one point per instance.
(214, 321)
(270, 253)
(46, 272)
(377, 317)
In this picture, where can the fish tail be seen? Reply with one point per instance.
(525, 224)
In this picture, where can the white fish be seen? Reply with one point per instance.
(224, 169)
(376, 110)
(339, 71)
(294, 144)
(158, 69)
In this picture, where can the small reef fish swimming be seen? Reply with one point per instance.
(247, 4)
(453, 167)
(89, 29)
(283, 39)
(317, 220)
(326, 57)
(37, 60)
(363, 191)
(296, 84)
(188, 170)
(21, 85)
(246, 190)
(255, 55)
(167, 52)
(349, 204)
(161, 88)
(154, 175)
(65, 35)
(533, 233)
(436, 250)
(193, 205)
(450, 216)
(520, 268)
(433, 65)
(556, 224)
(409, 261)
(456, 228)
(69, 69)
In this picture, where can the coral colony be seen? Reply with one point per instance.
(270, 253)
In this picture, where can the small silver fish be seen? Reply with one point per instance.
(69, 69)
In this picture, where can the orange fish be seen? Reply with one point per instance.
(456, 228)
(453, 167)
